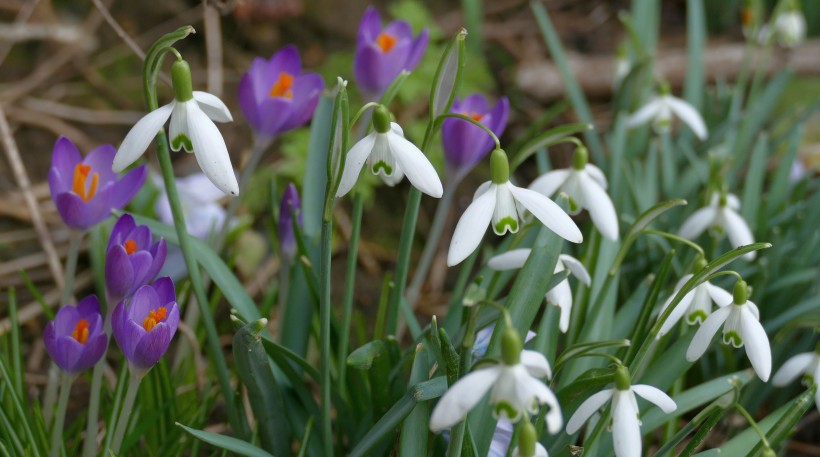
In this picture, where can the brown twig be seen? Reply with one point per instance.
(22, 16)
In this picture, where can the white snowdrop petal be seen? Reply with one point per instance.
(587, 409)
(415, 165)
(461, 397)
(677, 313)
(738, 231)
(210, 151)
(718, 295)
(732, 201)
(756, 343)
(548, 183)
(703, 337)
(576, 268)
(645, 113)
(626, 428)
(140, 136)
(600, 207)
(178, 128)
(699, 221)
(471, 227)
(536, 363)
(656, 396)
(354, 161)
(597, 174)
(509, 260)
(689, 115)
(212, 106)
(561, 296)
(548, 212)
(793, 368)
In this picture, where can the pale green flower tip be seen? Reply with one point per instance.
(181, 80)
(381, 119)
(499, 167)
(741, 292)
(623, 380)
(527, 439)
(580, 157)
(511, 347)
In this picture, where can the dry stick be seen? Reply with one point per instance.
(22, 16)
(119, 30)
(84, 115)
(213, 47)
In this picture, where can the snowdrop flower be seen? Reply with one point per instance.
(807, 364)
(192, 114)
(528, 445)
(626, 425)
(696, 305)
(497, 202)
(721, 212)
(560, 295)
(514, 385)
(391, 156)
(585, 184)
(741, 326)
(659, 110)
(789, 26)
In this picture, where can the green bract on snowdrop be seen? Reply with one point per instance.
(585, 184)
(695, 305)
(560, 295)
(626, 425)
(806, 364)
(659, 110)
(389, 156)
(741, 328)
(722, 212)
(192, 114)
(515, 388)
(496, 202)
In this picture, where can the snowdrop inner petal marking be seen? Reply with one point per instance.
(178, 127)
(140, 136)
(548, 212)
(381, 160)
(505, 214)
(587, 409)
(471, 227)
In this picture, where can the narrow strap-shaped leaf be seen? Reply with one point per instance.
(227, 443)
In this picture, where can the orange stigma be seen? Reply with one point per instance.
(130, 247)
(385, 41)
(154, 318)
(80, 332)
(81, 188)
(283, 87)
(476, 116)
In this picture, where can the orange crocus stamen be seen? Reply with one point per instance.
(80, 332)
(283, 87)
(130, 246)
(154, 318)
(476, 116)
(385, 42)
(81, 187)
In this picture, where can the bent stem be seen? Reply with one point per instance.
(125, 413)
(59, 419)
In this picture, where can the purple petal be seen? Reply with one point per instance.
(68, 353)
(498, 117)
(128, 186)
(152, 346)
(56, 184)
(164, 288)
(93, 350)
(124, 225)
(285, 60)
(172, 318)
(374, 70)
(142, 262)
(100, 160)
(65, 156)
(289, 206)
(127, 333)
(417, 50)
(306, 91)
(141, 236)
(65, 320)
(158, 253)
(89, 307)
(119, 273)
(400, 30)
(369, 27)
(248, 101)
(50, 338)
(273, 113)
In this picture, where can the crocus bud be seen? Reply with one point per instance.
(382, 53)
(276, 96)
(75, 339)
(466, 144)
(84, 189)
(499, 167)
(289, 208)
(131, 259)
(144, 329)
(622, 379)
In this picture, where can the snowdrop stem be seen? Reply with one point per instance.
(725, 273)
(469, 119)
(361, 112)
(753, 424)
(677, 238)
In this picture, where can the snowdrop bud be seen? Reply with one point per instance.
(499, 167)
(741, 292)
(622, 378)
(580, 157)
(381, 119)
(526, 440)
(700, 264)
(665, 88)
(510, 346)
(181, 79)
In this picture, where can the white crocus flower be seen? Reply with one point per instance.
(790, 28)
(389, 155)
(497, 202)
(723, 213)
(192, 114)
(741, 328)
(586, 185)
(659, 110)
(626, 425)
(560, 295)
(514, 384)
(695, 305)
(806, 364)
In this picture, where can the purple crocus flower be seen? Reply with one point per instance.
(85, 190)
(289, 207)
(131, 260)
(144, 329)
(466, 144)
(75, 339)
(382, 53)
(276, 96)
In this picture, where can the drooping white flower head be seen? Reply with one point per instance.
(721, 212)
(560, 295)
(626, 425)
(806, 364)
(192, 114)
(660, 109)
(516, 389)
(389, 155)
(497, 202)
(586, 185)
(789, 27)
(741, 328)
(695, 305)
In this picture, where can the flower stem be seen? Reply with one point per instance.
(753, 424)
(125, 413)
(75, 239)
(90, 443)
(350, 285)
(59, 419)
(324, 335)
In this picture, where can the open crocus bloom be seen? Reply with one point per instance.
(741, 328)
(626, 425)
(275, 96)
(659, 111)
(723, 213)
(192, 114)
(131, 259)
(806, 364)
(560, 295)
(696, 305)
(85, 190)
(466, 144)
(144, 329)
(382, 53)
(75, 339)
